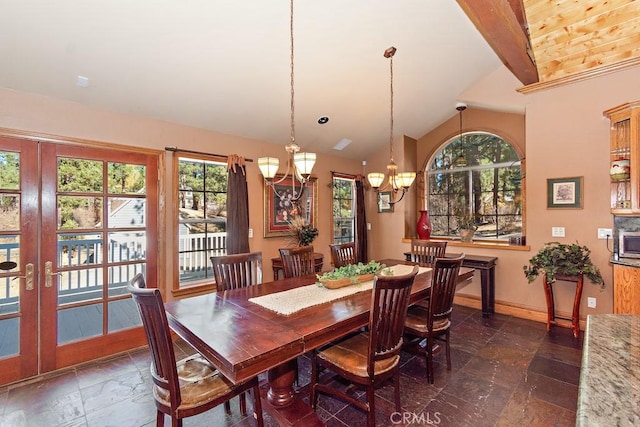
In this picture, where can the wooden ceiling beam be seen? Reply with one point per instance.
(502, 24)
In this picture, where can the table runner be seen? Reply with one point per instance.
(294, 300)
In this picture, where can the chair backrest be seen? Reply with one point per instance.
(443, 288)
(237, 271)
(343, 254)
(298, 261)
(425, 252)
(156, 327)
(389, 301)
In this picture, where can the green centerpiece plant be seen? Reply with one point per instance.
(559, 259)
(351, 270)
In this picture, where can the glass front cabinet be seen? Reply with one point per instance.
(625, 158)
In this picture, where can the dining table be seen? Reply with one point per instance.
(243, 339)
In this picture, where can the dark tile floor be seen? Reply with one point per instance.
(506, 372)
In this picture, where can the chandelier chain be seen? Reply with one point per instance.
(293, 126)
(391, 101)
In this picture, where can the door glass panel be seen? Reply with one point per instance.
(79, 285)
(79, 212)
(9, 170)
(75, 250)
(123, 314)
(79, 322)
(126, 246)
(126, 212)
(9, 337)
(120, 275)
(79, 176)
(9, 282)
(126, 178)
(9, 212)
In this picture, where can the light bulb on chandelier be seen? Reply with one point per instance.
(398, 182)
(299, 163)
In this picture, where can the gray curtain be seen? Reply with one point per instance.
(237, 206)
(361, 222)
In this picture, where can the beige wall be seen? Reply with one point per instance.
(40, 115)
(565, 135)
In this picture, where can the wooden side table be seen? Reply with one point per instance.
(551, 315)
(276, 264)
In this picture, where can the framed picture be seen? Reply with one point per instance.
(564, 193)
(384, 197)
(280, 206)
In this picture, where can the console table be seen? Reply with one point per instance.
(276, 264)
(487, 267)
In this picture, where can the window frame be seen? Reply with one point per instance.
(206, 283)
(457, 147)
(334, 218)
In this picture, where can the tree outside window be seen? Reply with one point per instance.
(476, 179)
(343, 210)
(202, 217)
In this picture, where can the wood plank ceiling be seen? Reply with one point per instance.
(546, 43)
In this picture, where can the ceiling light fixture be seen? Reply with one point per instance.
(398, 181)
(300, 164)
(460, 161)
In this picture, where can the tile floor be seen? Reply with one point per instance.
(506, 372)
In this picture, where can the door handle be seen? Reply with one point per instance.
(28, 277)
(48, 274)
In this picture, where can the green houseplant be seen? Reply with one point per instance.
(303, 232)
(565, 260)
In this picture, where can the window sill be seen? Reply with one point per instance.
(481, 244)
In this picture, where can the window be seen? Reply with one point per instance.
(202, 217)
(480, 178)
(343, 209)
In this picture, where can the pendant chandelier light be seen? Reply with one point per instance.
(397, 181)
(460, 161)
(299, 164)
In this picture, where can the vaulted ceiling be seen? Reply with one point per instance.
(224, 65)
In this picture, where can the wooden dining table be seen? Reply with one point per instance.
(243, 339)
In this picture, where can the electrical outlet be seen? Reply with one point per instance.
(603, 233)
(368, 226)
(251, 233)
(591, 302)
(557, 231)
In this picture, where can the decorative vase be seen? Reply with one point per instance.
(424, 226)
(466, 235)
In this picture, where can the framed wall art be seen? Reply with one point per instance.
(564, 193)
(280, 205)
(383, 202)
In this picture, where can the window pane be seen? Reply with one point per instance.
(82, 176)
(125, 178)
(79, 212)
(10, 213)
(9, 170)
(126, 212)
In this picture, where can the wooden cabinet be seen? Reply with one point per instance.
(625, 158)
(626, 289)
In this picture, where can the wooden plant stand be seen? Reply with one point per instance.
(575, 317)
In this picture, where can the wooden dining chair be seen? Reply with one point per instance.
(425, 252)
(343, 254)
(298, 261)
(237, 271)
(369, 358)
(434, 321)
(187, 387)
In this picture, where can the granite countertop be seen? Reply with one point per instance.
(629, 262)
(609, 391)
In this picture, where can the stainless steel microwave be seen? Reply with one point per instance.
(628, 244)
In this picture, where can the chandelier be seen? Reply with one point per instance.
(398, 182)
(299, 164)
(460, 161)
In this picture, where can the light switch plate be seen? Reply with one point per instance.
(591, 302)
(557, 231)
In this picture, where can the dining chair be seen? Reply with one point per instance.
(187, 387)
(237, 271)
(434, 321)
(297, 261)
(425, 252)
(343, 254)
(369, 358)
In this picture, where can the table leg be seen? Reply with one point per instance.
(281, 380)
(548, 293)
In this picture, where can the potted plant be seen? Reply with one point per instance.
(558, 259)
(302, 231)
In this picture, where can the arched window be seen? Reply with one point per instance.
(476, 179)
